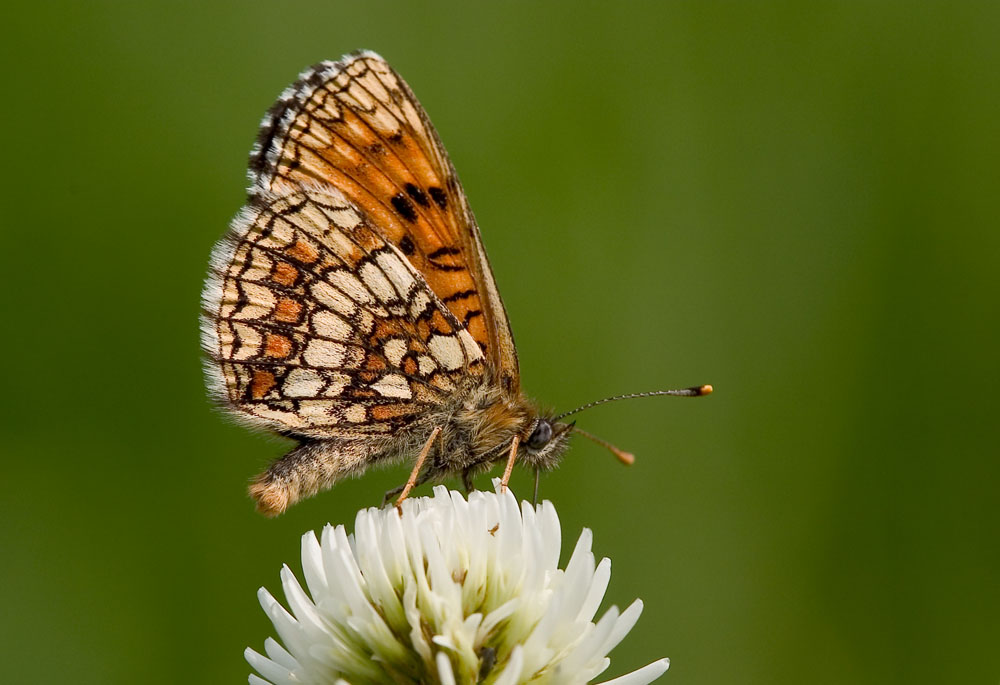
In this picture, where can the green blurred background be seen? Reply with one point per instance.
(796, 202)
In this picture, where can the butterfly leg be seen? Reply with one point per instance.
(510, 462)
(411, 482)
(390, 494)
(467, 481)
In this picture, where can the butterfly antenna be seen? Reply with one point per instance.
(696, 391)
(624, 457)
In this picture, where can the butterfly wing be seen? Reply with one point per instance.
(355, 125)
(319, 328)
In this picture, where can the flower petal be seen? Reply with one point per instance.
(646, 674)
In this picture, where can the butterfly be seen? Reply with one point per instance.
(351, 306)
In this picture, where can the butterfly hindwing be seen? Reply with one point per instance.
(317, 327)
(356, 126)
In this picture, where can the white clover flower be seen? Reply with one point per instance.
(452, 591)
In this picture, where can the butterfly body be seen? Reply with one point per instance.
(476, 426)
(351, 306)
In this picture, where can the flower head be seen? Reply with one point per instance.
(451, 591)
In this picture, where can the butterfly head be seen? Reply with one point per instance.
(545, 443)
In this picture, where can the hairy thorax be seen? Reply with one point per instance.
(477, 430)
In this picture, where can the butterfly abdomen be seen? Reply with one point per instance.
(310, 468)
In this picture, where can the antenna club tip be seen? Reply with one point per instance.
(705, 390)
(626, 458)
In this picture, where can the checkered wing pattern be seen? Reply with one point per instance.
(356, 126)
(319, 327)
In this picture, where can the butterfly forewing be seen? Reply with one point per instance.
(320, 328)
(356, 126)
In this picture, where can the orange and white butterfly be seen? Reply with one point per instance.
(351, 306)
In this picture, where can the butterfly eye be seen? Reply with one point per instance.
(541, 435)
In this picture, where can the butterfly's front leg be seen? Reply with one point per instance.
(510, 462)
